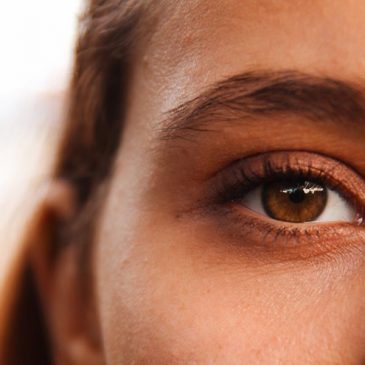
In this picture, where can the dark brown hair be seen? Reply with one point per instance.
(108, 33)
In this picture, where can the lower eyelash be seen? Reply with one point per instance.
(274, 240)
(271, 230)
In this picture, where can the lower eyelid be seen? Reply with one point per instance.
(275, 240)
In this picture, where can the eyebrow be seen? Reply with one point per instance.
(254, 95)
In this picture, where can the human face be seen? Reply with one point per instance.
(191, 265)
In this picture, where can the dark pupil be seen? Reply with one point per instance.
(294, 201)
(297, 196)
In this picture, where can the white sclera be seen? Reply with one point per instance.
(337, 209)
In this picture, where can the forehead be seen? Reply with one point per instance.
(213, 39)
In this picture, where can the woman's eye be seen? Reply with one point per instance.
(299, 201)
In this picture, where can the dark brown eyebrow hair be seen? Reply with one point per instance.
(255, 95)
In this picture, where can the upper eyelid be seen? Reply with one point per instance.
(237, 161)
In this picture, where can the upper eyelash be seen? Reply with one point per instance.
(247, 182)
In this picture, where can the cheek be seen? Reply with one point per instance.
(166, 298)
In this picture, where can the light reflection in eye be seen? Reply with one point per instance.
(307, 188)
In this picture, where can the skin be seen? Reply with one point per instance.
(177, 286)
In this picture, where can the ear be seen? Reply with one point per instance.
(64, 282)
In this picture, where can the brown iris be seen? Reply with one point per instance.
(294, 201)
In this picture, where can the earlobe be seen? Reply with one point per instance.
(67, 302)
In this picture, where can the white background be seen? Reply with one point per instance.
(36, 44)
(36, 49)
(36, 39)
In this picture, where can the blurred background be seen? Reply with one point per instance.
(37, 39)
